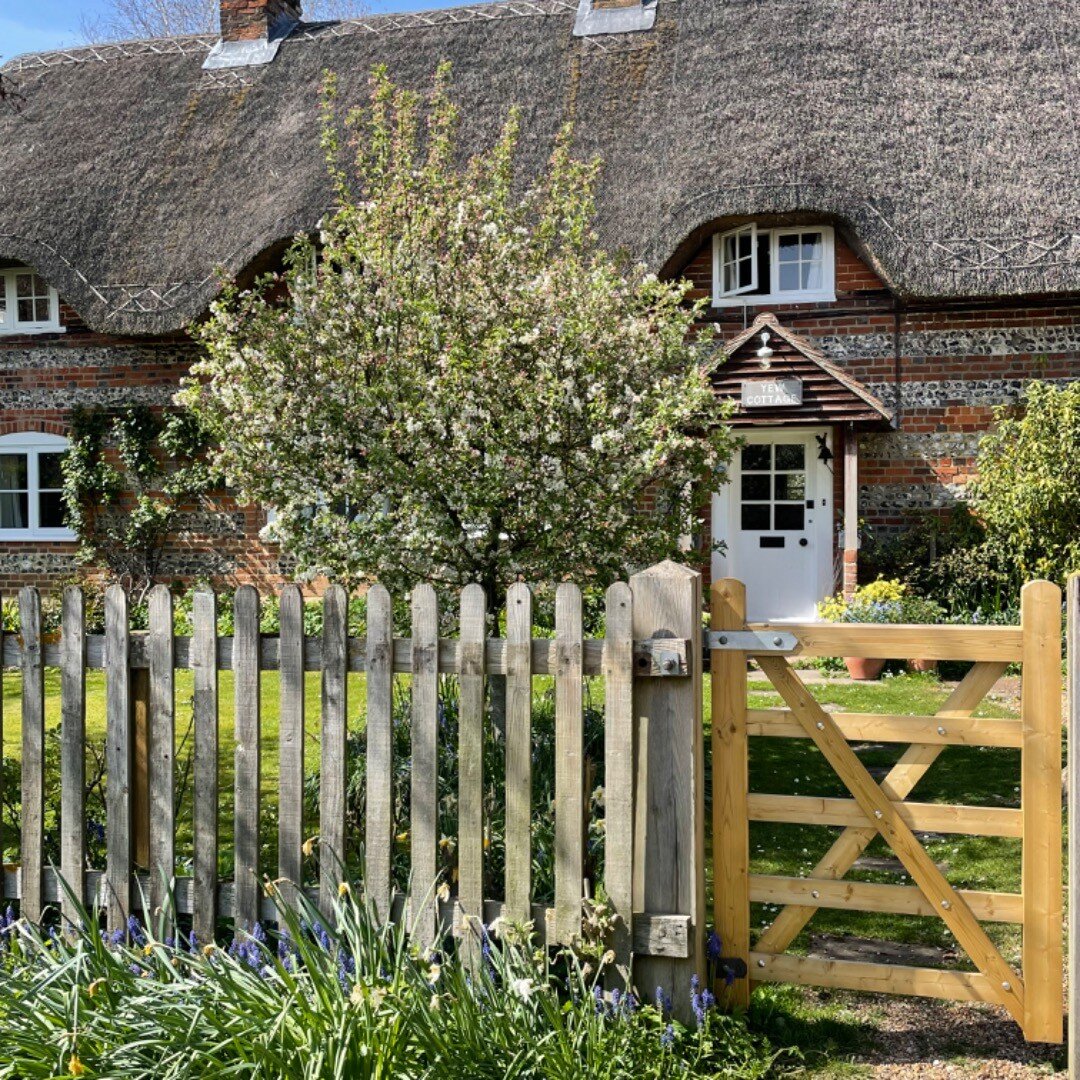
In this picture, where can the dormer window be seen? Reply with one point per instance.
(28, 304)
(790, 265)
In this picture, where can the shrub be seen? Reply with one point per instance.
(881, 601)
(338, 998)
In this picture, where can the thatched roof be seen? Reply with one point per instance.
(940, 137)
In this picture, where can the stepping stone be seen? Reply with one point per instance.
(835, 947)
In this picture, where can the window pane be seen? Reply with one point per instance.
(24, 284)
(12, 472)
(50, 510)
(755, 486)
(791, 456)
(756, 456)
(789, 277)
(791, 487)
(13, 510)
(812, 247)
(791, 517)
(25, 311)
(41, 311)
(50, 474)
(788, 244)
(755, 516)
(812, 276)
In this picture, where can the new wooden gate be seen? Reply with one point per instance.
(1033, 996)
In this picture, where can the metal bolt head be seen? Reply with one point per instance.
(668, 664)
(778, 641)
(877, 813)
(761, 963)
(820, 726)
(946, 905)
(1006, 986)
(722, 639)
(941, 731)
(814, 893)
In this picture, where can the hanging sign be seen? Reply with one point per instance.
(771, 393)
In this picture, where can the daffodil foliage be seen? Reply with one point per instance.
(453, 381)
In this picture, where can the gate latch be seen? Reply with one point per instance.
(753, 642)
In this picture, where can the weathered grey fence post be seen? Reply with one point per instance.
(669, 862)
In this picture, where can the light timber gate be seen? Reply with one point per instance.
(1033, 995)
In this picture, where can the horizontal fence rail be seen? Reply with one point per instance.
(643, 664)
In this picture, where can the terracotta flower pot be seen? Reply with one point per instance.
(922, 665)
(863, 668)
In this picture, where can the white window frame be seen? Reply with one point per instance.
(33, 443)
(9, 322)
(743, 297)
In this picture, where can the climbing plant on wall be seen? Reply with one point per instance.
(128, 473)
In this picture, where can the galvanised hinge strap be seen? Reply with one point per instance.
(752, 642)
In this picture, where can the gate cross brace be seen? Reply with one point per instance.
(879, 808)
(912, 766)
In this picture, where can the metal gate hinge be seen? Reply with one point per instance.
(753, 642)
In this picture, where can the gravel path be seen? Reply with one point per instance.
(917, 1037)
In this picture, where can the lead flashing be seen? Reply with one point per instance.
(627, 20)
(249, 53)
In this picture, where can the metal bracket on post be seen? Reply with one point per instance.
(661, 657)
(753, 642)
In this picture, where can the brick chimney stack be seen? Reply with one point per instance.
(251, 20)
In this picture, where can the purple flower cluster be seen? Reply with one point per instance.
(7, 928)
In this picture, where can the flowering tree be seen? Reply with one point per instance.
(460, 386)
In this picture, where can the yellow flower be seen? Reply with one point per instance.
(208, 950)
(309, 846)
(75, 1066)
(443, 892)
(403, 837)
(148, 949)
(433, 973)
(343, 889)
(487, 842)
(95, 986)
(445, 843)
(270, 888)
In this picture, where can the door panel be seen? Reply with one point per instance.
(774, 517)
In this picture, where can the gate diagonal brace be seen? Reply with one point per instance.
(882, 812)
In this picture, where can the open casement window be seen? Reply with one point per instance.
(738, 261)
(789, 265)
(31, 482)
(28, 304)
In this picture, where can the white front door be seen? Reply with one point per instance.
(775, 519)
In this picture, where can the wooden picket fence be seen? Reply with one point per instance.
(654, 834)
(1033, 996)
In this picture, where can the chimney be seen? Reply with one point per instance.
(249, 20)
(596, 17)
(251, 32)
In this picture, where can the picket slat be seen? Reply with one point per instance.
(291, 743)
(33, 753)
(72, 746)
(424, 793)
(333, 764)
(471, 769)
(162, 773)
(569, 764)
(247, 771)
(117, 758)
(519, 752)
(206, 784)
(379, 827)
(619, 767)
